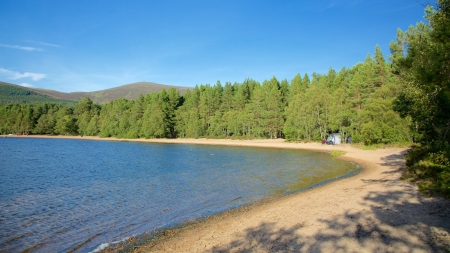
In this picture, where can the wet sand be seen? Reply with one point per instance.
(373, 211)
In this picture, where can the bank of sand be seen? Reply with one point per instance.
(373, 211)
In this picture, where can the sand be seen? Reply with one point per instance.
(373, 211)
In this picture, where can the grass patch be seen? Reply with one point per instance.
(382, 145)
(336, 153)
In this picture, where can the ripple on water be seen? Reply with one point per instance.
(62, 195)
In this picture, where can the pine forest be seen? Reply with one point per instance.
(405, 98)
(356, 101)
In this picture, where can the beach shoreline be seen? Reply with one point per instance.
(373, 211)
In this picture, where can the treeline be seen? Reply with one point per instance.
(374, 102)
(421, 59)
(357, 101)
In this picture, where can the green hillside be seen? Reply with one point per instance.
(10, 93)
(128, 91)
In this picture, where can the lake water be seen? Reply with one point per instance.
(58, 195)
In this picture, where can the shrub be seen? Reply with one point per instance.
(430, 170)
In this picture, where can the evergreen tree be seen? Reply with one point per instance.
(272, 105)
(342, 114)
(363, 82)
(381, 71)
(254, 113)
(228, 93)
(284, 92)
(306, 81)
(296, 86)
(329, 80)
(241, 95)
(65, 122)
(188, 117)
(294, 127)
(425, 69)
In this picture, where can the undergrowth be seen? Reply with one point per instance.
(382, 145)
(429, 169)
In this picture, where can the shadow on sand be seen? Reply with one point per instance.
(395, 220)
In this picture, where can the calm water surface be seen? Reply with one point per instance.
(57, 195)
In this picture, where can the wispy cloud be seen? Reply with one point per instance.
(14, 75)
(21, 47)
(43, 43)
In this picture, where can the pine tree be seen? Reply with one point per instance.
(381, 71)
(228, 93)
(421, 60)
(296, 86)
(306, 81)
(272, 104)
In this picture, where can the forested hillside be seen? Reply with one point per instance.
(356, 101)
(10, 93)
(128, 91)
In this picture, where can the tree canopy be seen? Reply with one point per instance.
(421, 60)
(354, 101)
(405, 99)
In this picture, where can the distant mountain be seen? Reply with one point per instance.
(11, 93)
(128, 91)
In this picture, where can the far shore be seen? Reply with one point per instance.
(268, 143)
(373, 211)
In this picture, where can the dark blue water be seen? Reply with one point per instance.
(57, 195)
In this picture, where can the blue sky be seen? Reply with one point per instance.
(93, 45)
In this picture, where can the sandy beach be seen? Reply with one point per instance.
(373, 211)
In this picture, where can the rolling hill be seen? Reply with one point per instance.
(11, 93)
(128, 91)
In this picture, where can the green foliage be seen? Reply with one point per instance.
(302, 110)
(371, 133)
(354, 101)
(66, 125)
(421, 58)
(372, 147)
(429, 169)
